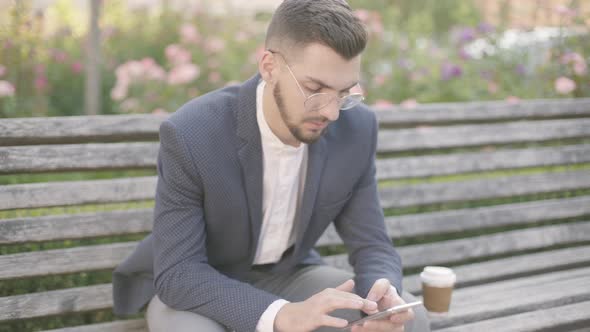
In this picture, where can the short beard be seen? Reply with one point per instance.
(296, 131)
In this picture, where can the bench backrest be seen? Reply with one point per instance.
(458, 183)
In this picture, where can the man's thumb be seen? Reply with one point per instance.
(347, 286)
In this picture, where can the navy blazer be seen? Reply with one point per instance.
(208, 212)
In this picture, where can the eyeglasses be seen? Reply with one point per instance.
(318, 101)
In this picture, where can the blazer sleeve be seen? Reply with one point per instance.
(182, 276)
(362, 228)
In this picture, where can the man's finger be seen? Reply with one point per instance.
(347, 286)
(379, 289)
(382, 325)
(327, 320)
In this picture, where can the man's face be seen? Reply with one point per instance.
(318, 69)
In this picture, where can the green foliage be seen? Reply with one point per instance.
(419, 51)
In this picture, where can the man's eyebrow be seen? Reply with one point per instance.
(317, 81)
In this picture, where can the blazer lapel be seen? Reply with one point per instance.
(250, 156)
(316, 160)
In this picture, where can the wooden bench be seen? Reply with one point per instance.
(498, 191)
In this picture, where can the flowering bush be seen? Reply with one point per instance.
(154, 61)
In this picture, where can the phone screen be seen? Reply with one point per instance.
(383, 314)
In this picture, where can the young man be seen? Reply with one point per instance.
(250, 176)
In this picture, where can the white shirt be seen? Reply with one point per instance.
(284, 172)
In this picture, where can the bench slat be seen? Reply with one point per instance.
(76, 192)
(424, 166)
(108, 128)
(87, 225)
(132, 325)
(435, 193)
(516, 296)
(56, 302)
(107, 256)
(511, 267)
(478, 135)
(143, 188)
(440, 222)
(78, 226)
(109, 156)
(445, 252)
(484, 111)
(51, 158)
(58, 261)
(79, 129)
(552, 319)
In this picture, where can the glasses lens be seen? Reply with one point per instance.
(318, 101)
(351, 101)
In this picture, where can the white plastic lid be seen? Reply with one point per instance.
(438, 276)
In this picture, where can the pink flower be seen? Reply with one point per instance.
(565, 11)
(119, 92)
(379, 80)
(492, 87)
(362, 14)
(381, 104)
(214, 45)
(6, 89)
(214, 77)
(580, 68)
(189, 34)
(177, 55)
(183, 74)
(160, 112)
(512, 100)
(2, 70)
(130, 105)
(152, 71)
(564, 85)
(409, 103)
(77, 67)
(59, 56)
(41, 83)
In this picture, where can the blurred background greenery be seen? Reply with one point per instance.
(156, 55)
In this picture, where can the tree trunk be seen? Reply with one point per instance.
(93, 80)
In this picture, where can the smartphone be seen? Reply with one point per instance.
(383, 314)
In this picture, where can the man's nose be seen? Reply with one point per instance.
(331, 111)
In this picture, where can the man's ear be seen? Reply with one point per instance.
(268, 67)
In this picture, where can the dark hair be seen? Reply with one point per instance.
(328, 22)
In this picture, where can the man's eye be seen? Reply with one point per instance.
(315, 90)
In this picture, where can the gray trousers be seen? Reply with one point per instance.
(293, 287)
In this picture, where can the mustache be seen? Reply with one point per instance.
(321, 119)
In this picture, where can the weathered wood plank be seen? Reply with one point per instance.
(56, 302)
(516, 296)
(436, 165)
(450, 251)
(79, 129)
(76, 192)
(107, 256)
(132, 325)
(110, 223)
(511, 267)
(440, 222)
(562, 318)
(484, 111)
(83, 157)
(87, 258)
(65, 227)
(469, 190)
(479, 135)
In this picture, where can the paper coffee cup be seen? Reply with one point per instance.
(437, 287)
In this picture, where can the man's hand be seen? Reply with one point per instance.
(386, 297)
(313, 312)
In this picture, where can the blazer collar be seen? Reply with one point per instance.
(250, 156)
